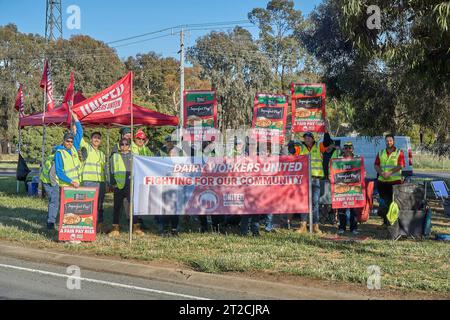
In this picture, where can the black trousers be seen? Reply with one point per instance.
(386, 192)
(121, 199)
(216, 221)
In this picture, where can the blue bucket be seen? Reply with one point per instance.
(33, 189)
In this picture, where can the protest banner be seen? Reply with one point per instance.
(78, 214)
(200, 115)
(348, 189)
(308, 107)
(232, 186)
(269, 117)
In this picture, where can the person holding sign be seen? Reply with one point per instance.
(93, 171)
(311, 147)
(389, 164)
(348, 154)
(67, 164)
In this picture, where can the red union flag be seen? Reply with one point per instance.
(19, 102)
(113, 101)
(69, 97)
(47, 85)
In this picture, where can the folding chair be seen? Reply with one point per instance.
(440, 190)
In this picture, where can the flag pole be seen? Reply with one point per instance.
(132, 164)
(20, 147)
(43, 137)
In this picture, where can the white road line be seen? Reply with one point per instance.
(113, 284)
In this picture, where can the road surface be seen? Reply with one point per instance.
(39, 281)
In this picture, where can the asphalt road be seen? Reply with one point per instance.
(38, 281)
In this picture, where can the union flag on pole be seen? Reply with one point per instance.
(19, 102)
(112, 102)
(47, 85)
(69, 97)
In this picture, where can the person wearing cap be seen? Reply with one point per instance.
(346, 153)
(388, 164)
(170, 149)
(138, 147)
(67, 164)
(93, 172)
(121, 181)
(125, 133)
(312, 148)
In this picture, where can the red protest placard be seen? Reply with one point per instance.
(269, 117)
(348, 188)
(200, 115)
(308, 107)
(78, 214)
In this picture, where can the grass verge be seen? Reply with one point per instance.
(405, 265)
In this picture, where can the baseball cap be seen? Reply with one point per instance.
(308, 134)
(141, 135)
(168, 139)
(125, 130)
(68, 136)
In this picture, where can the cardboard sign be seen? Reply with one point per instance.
(200, 115)
(269, 117)
(78, 214)
(348, 189)
(232, 185)
(308, 107)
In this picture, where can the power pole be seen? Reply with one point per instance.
(53, 20)
(181, 81)
(53, 32)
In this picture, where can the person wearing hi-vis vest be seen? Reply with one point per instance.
(388, 164)
(67, 164)
(51, 187)
(139, 146)
(120, 179)
(93, 172)
(311, 147)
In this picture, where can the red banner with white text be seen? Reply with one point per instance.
(114, 101)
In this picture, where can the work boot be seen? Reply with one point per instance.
(316, 229)
(303, 228)
(115, 231)
(101, 228)
(137, 229)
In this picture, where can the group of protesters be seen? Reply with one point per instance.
(77, 163)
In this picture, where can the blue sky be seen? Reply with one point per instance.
(113, 20)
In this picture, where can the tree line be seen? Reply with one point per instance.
(391, 79)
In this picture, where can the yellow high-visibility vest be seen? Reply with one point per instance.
(388, 163)
(72, 166)
(316, 160)
(93, 168)
(119, 171)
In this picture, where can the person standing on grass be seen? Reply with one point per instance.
(388, 164)
(67, 166)
(93, 172)
(348, 154)
(120, 180)
(51, 187)
(312, 148)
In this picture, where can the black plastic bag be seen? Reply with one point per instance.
(22, 169)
